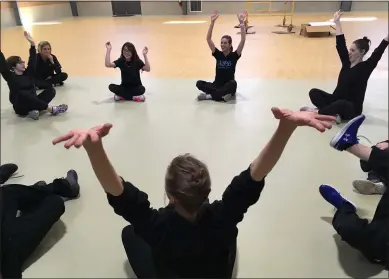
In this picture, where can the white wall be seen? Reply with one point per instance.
(94, 8)
(45, 13)
(359, 6)
(7, 18)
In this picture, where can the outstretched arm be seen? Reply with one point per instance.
(245, 189)
(341, 46)
(377, 53)
(108, 62)
(241, 17)
(211, 45)
(126, 200)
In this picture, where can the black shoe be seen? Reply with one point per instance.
(6, 171)
(72, 178)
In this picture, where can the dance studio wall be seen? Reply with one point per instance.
(32, 12)
(7, 15)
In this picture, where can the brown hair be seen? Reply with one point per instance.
(132, 49)
(363, 44)
(187, 179)
(13, 60)
(229, 39)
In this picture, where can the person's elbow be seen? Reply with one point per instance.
(109, 65)
(146, 68)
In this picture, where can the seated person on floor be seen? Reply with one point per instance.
(370, 238)
(20, 80)
(347, 100)
(48, 70)
(40, 206)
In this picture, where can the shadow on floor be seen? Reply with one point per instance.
(53, 236)
(128, 270)
(353, 263)
(351, 260)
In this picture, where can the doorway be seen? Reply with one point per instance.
(126, 8)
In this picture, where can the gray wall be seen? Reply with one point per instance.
(94, 8)
(161, 8)
(7, 18)
(44, 13)
(369, 6)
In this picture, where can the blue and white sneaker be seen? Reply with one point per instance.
(332, 196)
(348, 135)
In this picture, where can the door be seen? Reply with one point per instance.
(345, 6)
(126, 8)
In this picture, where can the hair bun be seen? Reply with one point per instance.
(366, 39)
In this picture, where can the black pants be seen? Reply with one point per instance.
(30, 101)
(39, 210)
(371, 239)
(217, 91)
(328, 104)
(127, 92)
(54, 80)
(141, 259)
(377, 171)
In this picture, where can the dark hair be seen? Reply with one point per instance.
(130, 48)
(13, 60)
(229, 39)
(363, 45)
(187, 179)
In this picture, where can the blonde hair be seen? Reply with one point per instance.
(43, 44)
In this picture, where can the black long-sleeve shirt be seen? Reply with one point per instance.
(352, 81)
(45, 69)
(19, 84)
(184, 249)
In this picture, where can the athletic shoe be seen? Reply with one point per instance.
(72, 178)
(139, 99)
(202, 97)
(227, 97)
(332, 196)
(311, 109)
(59, 109)
(367, 187)
(6, 171)
(34, 114)
(347, 136)
(338, 119)
(118, 98)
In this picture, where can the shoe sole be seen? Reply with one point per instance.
(341, 133)
(366, 187)
(339, 195)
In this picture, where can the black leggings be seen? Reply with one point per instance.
(29, 101)
(328, 104)
(217, 91)
(127, 92)
(376, 171)
(54, 80)
(39, 210)
(141, 259)
(369, 238)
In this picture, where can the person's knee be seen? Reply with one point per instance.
(52, 92)
(199, 84)
(112, 88)
(56, 205)
(64, 76)
(127, 235)
(142, 90)
(313, 93)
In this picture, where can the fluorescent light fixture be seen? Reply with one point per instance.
(356, 19)
(46, 23)
(185, 22)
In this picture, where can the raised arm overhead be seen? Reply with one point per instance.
(211, 44)
(241, 18)
(108, 62)
(341, 46)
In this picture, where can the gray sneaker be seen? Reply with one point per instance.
(34, 114)
(366, 187)
(227, 97)
(338, 119)
(202, 97)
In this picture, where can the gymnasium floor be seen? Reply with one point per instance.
(288, 232)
